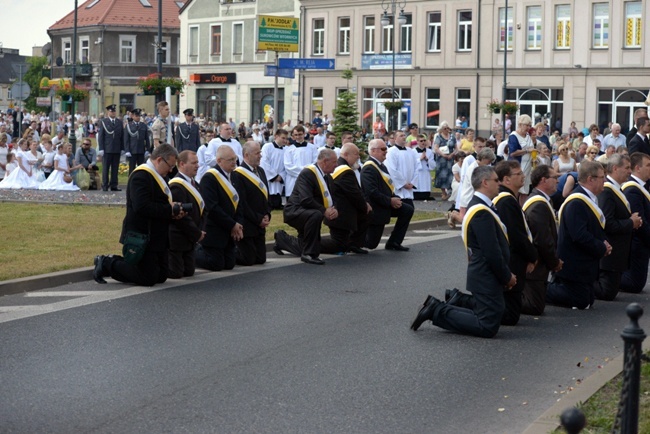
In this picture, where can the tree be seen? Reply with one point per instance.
(33, 78)
(346, 115)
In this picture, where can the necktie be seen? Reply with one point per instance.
(193, 183)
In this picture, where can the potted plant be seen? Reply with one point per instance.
(494, 106)
(396, 105)
(510, 107)
(76, 94)
(154, 84)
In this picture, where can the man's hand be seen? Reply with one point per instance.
(368, 208)
(408, 186)
(559, 266)
(127, 155)
(609, 248)
(512, 282)
(237, 232)
(395, 202)
(530, 267)
(181, 214)
(202, 236)
(265, 222)
(331, 213)
(636, 220)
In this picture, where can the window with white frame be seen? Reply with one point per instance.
(84, 49)
(434, 31)
(563, 26)
(166, 50)
(193, 41)
(369, 34)
(66, 49)
(387, 36)
(601, 25)
(405, 34)
(464, 30)
(433, 108)
(505, 29)
(463, 102)
(316, 101)
(318, 36)
(215, 40)
(633, 24)
(344, 35)
(534, 28)
(127, 48)
(238, 38)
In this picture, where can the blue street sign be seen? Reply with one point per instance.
(269, 71)
(307, 63)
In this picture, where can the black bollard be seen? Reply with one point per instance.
(633, 337)
(573, 420)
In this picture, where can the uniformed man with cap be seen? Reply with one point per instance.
(188, 136)
(136, 140)
(159, 127)
(110, 143)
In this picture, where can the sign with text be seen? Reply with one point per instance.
(43, 101)
(222, 78)
(278, 33)
(385, 61)
(307, 63)
(269, 71)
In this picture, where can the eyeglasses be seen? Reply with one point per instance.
(382, 149)
(517, 174)
(593, 153)
(86, 144)
(170, 166)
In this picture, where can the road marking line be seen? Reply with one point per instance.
(61, 293)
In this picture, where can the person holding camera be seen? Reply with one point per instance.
(149, 211)
(186, 232)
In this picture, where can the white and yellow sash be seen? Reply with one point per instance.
(619, 194)
(385, 176)
(254, 179)
(159, 179)
(327, 201)
(592, 206)
(637, 185)
(505, 194)
(539, 198)
(472, 212)
(227, 187)
(339, 170)
(193, 191)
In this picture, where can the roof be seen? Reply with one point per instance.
(7, 73)
(121, 13)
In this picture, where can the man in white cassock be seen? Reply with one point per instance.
(296, 157)
(402, 163)
(273, 164)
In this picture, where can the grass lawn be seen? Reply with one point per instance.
(40, 239)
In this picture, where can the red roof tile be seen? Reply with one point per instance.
(121, 13)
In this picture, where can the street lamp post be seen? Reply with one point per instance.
(386, 19)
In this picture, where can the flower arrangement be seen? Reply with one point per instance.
(154, 84)
(390, 105)
(494, 106)
(510, 107)
(76, 94)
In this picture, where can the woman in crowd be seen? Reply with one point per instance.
(60, 179)
(564, 163)
(26, 174)
(459, 157)
(521, 149)
(592, 153)
(467, 142)
(444, 148)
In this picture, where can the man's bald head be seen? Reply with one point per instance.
(350, 153)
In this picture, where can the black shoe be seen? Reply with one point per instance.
(310, 260)
(115, 189)
(452, 296)
(425, 313)
(276, 247)
(104, 188)
(358, 250)
(396, 247)
(98, 272)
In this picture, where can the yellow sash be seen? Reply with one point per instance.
(339, 170)
(385, 176)
(227, 187)
(593, 207)
(327, 201)
(471, 213)
(637, 185)
(254, 179)
(620, 195)
(539, 198)
(193, 191)
(159, 179)
(504, 194)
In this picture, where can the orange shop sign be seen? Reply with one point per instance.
(223, 78)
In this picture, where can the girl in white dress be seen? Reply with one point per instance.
(26, 174)
(58, 179)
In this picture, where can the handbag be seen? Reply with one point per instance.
(134, 246)
(444, 150)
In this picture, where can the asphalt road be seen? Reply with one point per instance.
(289, 348)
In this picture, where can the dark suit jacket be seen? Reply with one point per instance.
(377, 193)
(488, 249)
(185, 233)
(222, 215)
(630, 136)
(254, 205)
(349, 199)
(147, 210)
(193, 135)
(139, 143)
(637, 144)
(580, 241)
(541, 222)
(639, 203)
(306, 194)
(107, 142)
(618, 229)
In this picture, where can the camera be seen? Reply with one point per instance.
(176, 209)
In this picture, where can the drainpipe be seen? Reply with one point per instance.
(478, 67)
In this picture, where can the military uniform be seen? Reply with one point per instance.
(187, 136)
(159, 130)
(136, 141)
(110, 144)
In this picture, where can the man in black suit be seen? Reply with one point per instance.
(216, 251)
(136, 140)
(250, 181)
(188, 136)
(540, 216)
(488, 274)
(149, 210)
(581, 241)
(379, 191)
(620, 223)
(110, 143)
(634, 278)
(186, 232)
(640, 143)
(310, 202)
(638, 113)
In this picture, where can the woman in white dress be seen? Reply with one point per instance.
(26, 174)
(60, 178)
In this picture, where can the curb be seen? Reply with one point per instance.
(43, 281)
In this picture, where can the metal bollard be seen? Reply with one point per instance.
(573, 420)
(627, 417)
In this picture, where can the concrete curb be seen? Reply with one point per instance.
(34, 283)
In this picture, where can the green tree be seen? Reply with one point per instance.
(346, 115)
(33, 78)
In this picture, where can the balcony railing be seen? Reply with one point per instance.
(83, 70)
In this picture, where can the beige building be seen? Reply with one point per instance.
(581, 60)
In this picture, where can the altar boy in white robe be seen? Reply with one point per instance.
(296, 157)
(273, 164)
(426, 163)
(402, 163)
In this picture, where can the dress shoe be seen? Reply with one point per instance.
(115, 189)
(104, 188)
(311, 260)
(358, 250)
(396, 247)
(425, 313)
(98, 272)
(276, 247)
(452, 296)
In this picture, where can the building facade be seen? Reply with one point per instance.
(219, 57)
(581, 60)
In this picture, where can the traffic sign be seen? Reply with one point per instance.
(43, 101)
(20, 90)
(307, 63)
(278, 33)
(20, 68)
(269, 71)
